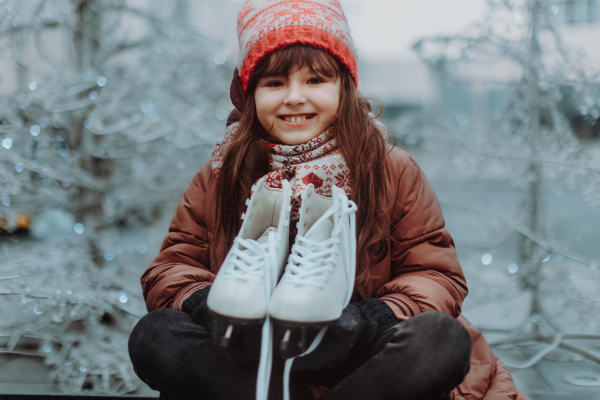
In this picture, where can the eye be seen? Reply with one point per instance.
(315, 81)
(274, 84)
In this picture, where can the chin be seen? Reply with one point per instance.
(292, 139)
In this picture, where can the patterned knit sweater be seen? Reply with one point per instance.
(318, 161)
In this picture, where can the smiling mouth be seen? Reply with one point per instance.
(296, 118)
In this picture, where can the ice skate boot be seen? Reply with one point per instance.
(318, 281)
(241, 290)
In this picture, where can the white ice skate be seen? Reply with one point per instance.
(319, 277)
(241, 290)
(318, 281)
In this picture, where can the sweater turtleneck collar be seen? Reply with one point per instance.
(287, 155)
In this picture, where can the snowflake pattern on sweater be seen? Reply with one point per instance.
(318, 161)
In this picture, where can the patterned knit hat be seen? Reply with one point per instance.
(267, 25)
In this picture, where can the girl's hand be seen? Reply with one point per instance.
(245, 348)
(359, 326)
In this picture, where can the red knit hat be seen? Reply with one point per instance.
(267, 25)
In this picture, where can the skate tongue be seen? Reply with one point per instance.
(321, 232)
(263, 238)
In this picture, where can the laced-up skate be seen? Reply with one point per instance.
(318, 281)
(241, 290)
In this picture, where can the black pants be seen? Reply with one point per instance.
(422, 358)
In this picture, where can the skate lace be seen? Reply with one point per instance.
(249, 259)
(310, 261)
(266, 252)
(311, 272)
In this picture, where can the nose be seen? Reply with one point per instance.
(295, 95)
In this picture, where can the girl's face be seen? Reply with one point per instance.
(296, 108)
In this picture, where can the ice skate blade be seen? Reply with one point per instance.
(226, 339)
(294, 340)
(232, 327)
(295, 324)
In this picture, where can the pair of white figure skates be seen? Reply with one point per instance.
(259, 282)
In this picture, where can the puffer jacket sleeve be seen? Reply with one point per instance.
(183, 264)
(425, 272)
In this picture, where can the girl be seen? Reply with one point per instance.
(300, 117)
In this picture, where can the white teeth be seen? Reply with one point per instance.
(295, 119)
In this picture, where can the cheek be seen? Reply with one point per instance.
(263, 114)
(335, 103)
(265, 107)
(331, 98)
(331, 104)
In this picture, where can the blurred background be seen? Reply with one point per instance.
(109, 107)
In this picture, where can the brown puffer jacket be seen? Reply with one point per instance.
(420, 273)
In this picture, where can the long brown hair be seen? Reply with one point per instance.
(356, 135)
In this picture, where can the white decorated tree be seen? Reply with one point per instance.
(113, 107)
(519, 49)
